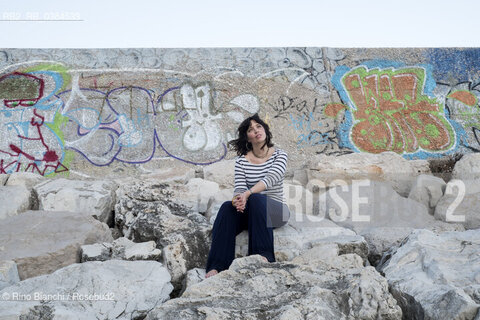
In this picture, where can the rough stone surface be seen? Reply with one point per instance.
(147, 211)
(460, 204)
(386, 166)
(41, 242)
(123, 289)
(428, 190)
(96, 198)
(338, 288)
(221, 172)
(14, 200)
(8, 273)
(436, 276)
(468, 167)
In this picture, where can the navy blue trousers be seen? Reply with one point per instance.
(261, 215)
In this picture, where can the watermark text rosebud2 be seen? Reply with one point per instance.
(360, 201)
(57, 296)
(302, 200)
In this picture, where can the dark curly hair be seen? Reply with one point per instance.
(241, 145)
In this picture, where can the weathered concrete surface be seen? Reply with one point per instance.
(41, 242)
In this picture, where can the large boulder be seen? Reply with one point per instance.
(112, 289)
(221, 172)
(460, 203)
(41, 242)
(467, 168)
(336, 288)
(14, 200)
(436, 276)
(377, 212)
(148, 210)
(95, 198)
(386, 166)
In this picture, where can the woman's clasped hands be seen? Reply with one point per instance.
(240, 200)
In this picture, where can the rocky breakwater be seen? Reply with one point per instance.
(136, 248)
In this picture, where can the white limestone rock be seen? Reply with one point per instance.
(143, 251)
(460, 204)
(26, 179)
(216, 202)
(113, 289)
(175, 174)
(338, 288)
(303, 232)
(428, 190)
(41, 242)
(436, 276)
(221, 172)
(96, 198)
(96, 252)
(200, 193)
(147, 211)
(8, 274)
(14, 200)
(193, 276)
(387, 166)
(375, 211)
(467, 168)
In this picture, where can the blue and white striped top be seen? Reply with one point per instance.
(271, 173)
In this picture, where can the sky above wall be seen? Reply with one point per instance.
(245, 23)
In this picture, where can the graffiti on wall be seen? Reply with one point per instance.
(43, 125)
(28, 141)
(392, 109)
(462, 101)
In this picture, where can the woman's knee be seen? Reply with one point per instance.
(226, 208)
(257, 198)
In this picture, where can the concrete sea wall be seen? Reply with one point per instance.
(100, 112)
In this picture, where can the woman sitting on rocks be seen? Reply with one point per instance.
(258, 205)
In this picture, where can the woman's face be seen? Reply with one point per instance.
(256, 132)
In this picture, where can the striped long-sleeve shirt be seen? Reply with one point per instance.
(271, 173)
